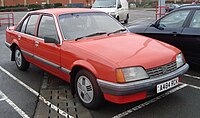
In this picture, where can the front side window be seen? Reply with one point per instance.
(195, 23)
(47, 28)
(30, 29)
(78, 25)
(174, 20)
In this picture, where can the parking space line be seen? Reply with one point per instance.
(127, 112)
(196, 87)
(2, 99)
(15, 107)
(20, 82)
(193, 86)
(139, 21)
(52, 106)
(192, 76)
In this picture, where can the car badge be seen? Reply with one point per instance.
(164, 69)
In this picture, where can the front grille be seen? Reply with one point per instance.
(161, 70)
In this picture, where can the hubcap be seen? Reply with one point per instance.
(85, 89)
(18, 58)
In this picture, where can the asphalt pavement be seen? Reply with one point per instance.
(37, 94)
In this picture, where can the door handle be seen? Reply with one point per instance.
(19, 37)
(174, 33)
(36, 43)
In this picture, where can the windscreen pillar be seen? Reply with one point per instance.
(161, 7)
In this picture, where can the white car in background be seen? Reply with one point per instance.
(117, 8)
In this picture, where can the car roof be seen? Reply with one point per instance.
(58, 11)
(189, 7)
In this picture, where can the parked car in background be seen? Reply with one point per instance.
(180, 28)
(117, 8)
(186, 5)
(171, 7)
(96, 54)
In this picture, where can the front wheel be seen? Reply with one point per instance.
(20, 61)
(126, 21)
(88, 91)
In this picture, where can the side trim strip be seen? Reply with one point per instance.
(47, 62)
(65, 70)
(7, 44)
(27, 53)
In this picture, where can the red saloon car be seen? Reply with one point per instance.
(98, 56)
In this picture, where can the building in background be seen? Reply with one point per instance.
(42, 2)
(65, 2)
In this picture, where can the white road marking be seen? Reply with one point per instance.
(54, 107)
(139, 21)
(196, 87)
(15, 107)
(123, 114)
(20, 82)
(2, 99)
(193, 86)
(192, 76)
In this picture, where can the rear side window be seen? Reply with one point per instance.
(195, 23)
(31, 24)
(47, 28)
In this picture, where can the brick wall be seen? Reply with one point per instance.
(13, 2)
(21, 2)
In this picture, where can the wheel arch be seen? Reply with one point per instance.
(12, 47)
(77, 66)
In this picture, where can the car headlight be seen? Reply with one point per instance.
(179, 60)
(131, 74)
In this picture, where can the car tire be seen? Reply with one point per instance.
(88, 91)
(20, 61)
(118, 18)
(127, 17)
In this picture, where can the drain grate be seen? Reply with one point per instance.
(59, 94)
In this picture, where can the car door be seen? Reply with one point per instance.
(169, 28)
(47, 54)
(26, 34)
(190, 41)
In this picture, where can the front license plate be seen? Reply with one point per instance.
(167, 85)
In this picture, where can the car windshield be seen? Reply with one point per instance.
(104, 4)
(80, 25)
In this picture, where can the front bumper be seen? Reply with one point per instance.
(118, 89)
(7, 44)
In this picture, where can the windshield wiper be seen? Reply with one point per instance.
(93, 34)
(120, 30)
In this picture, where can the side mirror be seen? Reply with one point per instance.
(160, 27)
(157, 25)
(48, 39)
(153, 25)
(119, 6)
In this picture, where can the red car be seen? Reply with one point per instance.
(98, 56)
